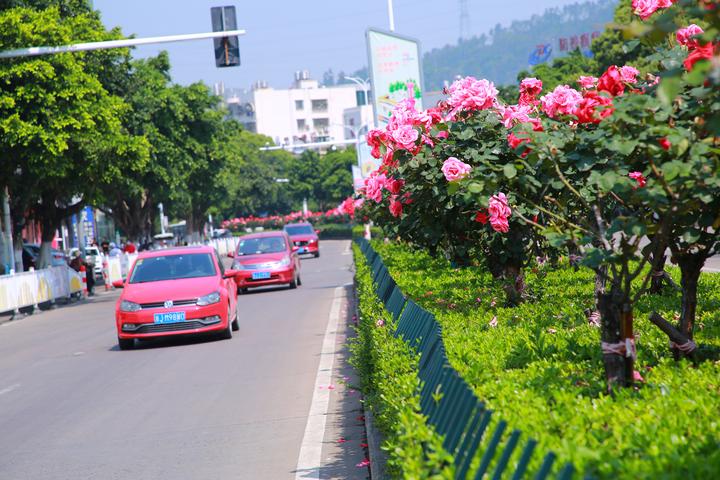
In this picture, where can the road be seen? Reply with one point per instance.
(73, 406)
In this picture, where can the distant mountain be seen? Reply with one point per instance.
(503, 52)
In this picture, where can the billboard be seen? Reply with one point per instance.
(394, 64)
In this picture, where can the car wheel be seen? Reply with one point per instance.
(294, 283)
(126, 343)
(243, 290)
(227, 333)
(235, 323)
(317, 254)
(299, 280)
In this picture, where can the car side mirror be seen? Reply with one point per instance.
(231, 254)
(231, 274)
(317, 231)
(118, 284)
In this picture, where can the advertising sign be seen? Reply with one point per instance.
(366, 161)
(394, 65)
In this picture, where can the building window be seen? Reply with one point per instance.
(319, 105)
(301, 124)
(321, 123)
(299, 105)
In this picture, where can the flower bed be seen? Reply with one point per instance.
(537, 362)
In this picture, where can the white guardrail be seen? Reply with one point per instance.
(31, 288)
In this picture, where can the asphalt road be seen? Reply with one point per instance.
(72, 406)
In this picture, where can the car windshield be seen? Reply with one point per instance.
(256, 246)
(299, 230)
(173, 267)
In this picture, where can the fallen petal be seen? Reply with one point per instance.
(364, 463)
(341, 440)
(364, 445)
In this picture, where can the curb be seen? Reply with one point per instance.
(378, 458)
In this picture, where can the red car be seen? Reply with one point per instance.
(304, 236)
(176, 291)
(266, 258)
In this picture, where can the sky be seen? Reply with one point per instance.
(288, 35)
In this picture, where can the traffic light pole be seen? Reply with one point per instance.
(127, 42)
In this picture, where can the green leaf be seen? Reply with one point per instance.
(509, 170)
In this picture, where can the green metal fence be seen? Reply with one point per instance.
(448, 402)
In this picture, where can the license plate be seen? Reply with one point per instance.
(260, 275)
(169, 317)
(302, 250)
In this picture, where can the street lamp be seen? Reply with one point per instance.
(365, 84)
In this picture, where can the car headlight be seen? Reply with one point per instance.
(127, 306)
(284, 262)
(238, 266)
(209, 299)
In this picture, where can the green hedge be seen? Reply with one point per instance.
(541, 367)
(388, 370)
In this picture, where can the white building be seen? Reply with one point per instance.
(305, 112)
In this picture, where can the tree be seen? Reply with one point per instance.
(58, 125)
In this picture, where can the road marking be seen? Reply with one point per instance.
(348, 250)
(9, 389)
(310, 458)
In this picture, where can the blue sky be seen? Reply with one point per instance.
(288, 35)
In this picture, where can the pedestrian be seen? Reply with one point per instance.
(105, 245)
(90, 276)
(130, 247)
(114, 251)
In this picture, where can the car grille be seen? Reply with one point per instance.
(301, 243)
(176, 303)
(261, 266)
(169, 327)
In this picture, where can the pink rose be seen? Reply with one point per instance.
(587, 82)
(645, 8)
(515, 114)
(405, 137)
(499, 213)
(531, 86)
(561, 101)
(374, 186)
(685, 36)
(454, 169)
(629, 74)
(470, 94)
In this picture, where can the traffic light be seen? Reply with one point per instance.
(227, 49)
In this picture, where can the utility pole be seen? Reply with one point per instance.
(10, 258)
(391, 15)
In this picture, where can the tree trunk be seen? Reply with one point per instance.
(47, 235)
(616, 326)
(657, 269)
(514, 284)
(691, 265)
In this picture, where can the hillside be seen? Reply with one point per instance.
(502, 53)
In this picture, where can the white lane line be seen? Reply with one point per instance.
(9, 389)
(348, 250)
(310, 458)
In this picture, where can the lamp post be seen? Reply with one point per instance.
(391, 15)
(365, 84)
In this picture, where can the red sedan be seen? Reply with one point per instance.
(177, 291)
(266, 258)
(305, 237)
